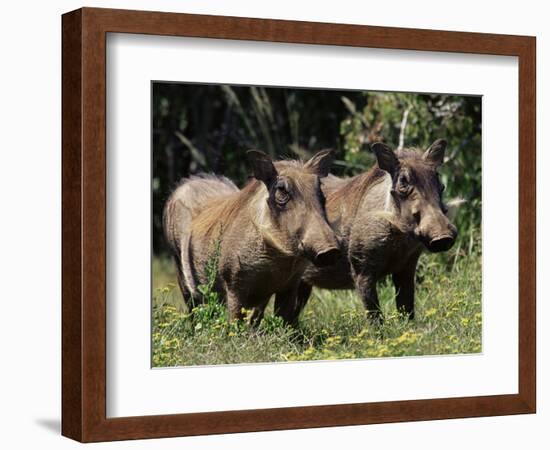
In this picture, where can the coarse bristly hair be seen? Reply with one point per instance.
(353, 191)
(355, 188)
(225, 208)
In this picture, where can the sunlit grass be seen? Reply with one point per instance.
(333, 325)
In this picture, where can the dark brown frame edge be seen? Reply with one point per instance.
(83, 221)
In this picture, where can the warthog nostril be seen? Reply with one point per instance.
(441, 244)
(326, 257)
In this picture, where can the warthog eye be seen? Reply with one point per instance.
(403, 186)
(281, 196)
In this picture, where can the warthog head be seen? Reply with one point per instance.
(292, 217)
(417, 192)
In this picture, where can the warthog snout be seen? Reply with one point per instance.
(444, 240)
(441, 244)
(327, 257)
(320, 245)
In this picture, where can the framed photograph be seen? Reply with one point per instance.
(275, 225)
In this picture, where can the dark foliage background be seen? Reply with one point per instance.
(209, 128)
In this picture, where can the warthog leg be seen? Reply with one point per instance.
(404, 286)
(241, 308)
(366, 287)
(285, 306)
(258, 314)
(187, 297)
(235, 306)
(304, 292)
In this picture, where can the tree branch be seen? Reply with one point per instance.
(403, 127)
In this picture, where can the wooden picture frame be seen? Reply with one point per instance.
(84, 224)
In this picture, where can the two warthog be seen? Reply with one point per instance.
(288, 231)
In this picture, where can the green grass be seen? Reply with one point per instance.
(333, 325)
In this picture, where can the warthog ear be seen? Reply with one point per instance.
(262, 166)
(436, 153)
(385, 157)
(320, 163)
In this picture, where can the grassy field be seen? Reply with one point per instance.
(333, 325)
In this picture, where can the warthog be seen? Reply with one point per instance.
(384, 219)
(260, 237)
